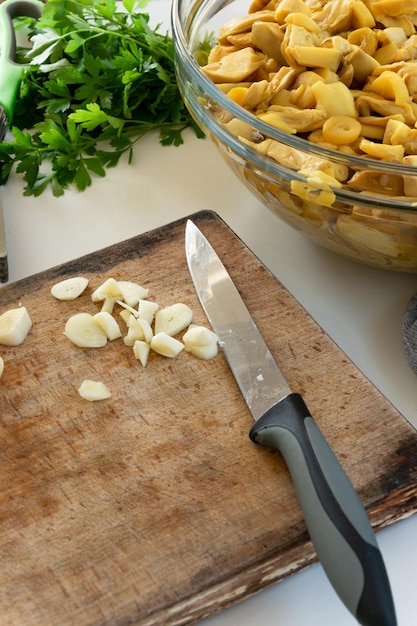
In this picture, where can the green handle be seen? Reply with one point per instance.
(11, 72)
(336, 520)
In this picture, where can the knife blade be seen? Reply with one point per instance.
(335, 518)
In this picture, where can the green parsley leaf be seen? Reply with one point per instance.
(98, 79)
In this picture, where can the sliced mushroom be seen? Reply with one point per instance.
(235, 67)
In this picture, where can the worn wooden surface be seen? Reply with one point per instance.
(154, 507)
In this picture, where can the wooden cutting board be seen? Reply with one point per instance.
(153, 507)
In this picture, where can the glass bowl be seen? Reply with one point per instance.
(369, 215)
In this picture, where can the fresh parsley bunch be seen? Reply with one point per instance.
(98, 80)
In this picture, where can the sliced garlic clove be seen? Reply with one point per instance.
(173, 319)
(1, 366)
(132, 292)
(134, 332)
(84, 331)
(93, 390)
(201, 342)
(129, 308)
(141, 351)
(146, 329)
(69, 288)
(108, 304)
(164, 344)
(14, 326)
(109, 289)
(125, 315)
(108, 324)
(147, 310)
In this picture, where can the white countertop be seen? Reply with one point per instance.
(361, 308)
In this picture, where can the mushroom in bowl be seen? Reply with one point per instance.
(314, 105)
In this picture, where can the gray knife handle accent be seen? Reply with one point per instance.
(336, 520)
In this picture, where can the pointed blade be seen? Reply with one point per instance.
(257, 374)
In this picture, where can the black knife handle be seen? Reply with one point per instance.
(336, 520)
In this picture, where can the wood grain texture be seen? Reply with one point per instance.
(153, 507)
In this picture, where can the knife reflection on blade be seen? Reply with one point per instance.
(336, 520)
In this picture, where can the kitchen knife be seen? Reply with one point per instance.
(335, 518)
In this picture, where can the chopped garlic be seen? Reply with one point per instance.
(147, 310)
(83, 330)
(141, 351)
(93, 390)
(173, 319)
(14, 326)
(109, 289)
(201, 342)
(108, 324)
(164, 344)
(132, 293)
(69, 288)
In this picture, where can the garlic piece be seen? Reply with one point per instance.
(134, 332)
(173, 319)
(69, 288)
(83, 330)
(109, 289)
(132, 292)
(146, 329)
(201, 342)
(147, 310)
(14, 326)
(93, 390)
(141, 351)
(108, 325)
(1, 366)
(164, 344)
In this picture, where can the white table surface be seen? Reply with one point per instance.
(361, 308)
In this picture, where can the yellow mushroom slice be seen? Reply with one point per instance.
(361, 15)
(15, 325)
(293, 119)
(368, 103)
(235, 67)
(333, 16)
(384, 152)
(341, 129)
(410, 182)
(365, 38)
(316, 188)
(268, 37)
(334, 99)
(393, 8)
(377, 182)
(363, 64)
(243, 24)
(366, 236)
(392, 87)
(285, 7)
(303, 20)
(317, 57)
